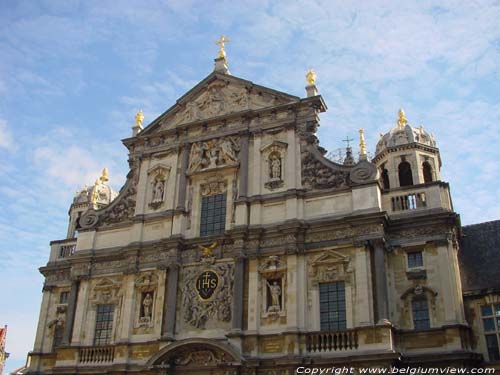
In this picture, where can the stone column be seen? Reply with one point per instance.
(170, 302)
(244, 166)
(181, 197)
(239, 280)
(70, 315)
(380, 282)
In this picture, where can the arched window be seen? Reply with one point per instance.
(405, 176)
(427, 171)
(420, 312)
(385, 179)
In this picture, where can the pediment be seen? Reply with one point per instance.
(216, 96)
(330, 257)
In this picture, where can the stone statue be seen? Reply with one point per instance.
(147, 306)
(275, 291)
(275, 167)
(158, 191)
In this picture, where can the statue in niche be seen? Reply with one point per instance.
(275, 167)
(275, 293)
(158, 191)
(147, 304)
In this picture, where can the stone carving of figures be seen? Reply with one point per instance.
(228, 152)
(275, 167)
(275, 291)
(196, 157)
(147, 305)
(214, 102)
(158, 191)
(213, 156)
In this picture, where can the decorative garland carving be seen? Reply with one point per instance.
(321, 173)
(197, 311)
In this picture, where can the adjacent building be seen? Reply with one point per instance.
(236, 247)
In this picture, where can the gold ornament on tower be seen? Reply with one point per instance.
(104, 176)
(139, 118)
(207, 251)
(402, 120)
(311, 77)
(222, 48)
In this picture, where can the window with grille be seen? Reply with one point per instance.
(415, 259)
(213, 215)
(420, 310)
(332, 306)
(490, 315)
(104, 324)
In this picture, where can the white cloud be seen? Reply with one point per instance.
(6, 137)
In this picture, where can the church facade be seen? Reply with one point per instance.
(236, 247)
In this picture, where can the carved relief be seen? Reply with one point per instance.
(106, 291)
(198, 310)
(213, 185)
(318, 175)
(157, 177)
(330, 266)
(215, 153)
(348, 232)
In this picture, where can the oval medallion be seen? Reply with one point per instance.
(206, 284)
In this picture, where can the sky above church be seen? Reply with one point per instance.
(74, 73)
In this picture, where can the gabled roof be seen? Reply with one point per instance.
(479, 256)
(217, 94)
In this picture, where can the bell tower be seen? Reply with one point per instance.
(407, 156)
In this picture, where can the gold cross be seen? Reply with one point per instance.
(222, 50)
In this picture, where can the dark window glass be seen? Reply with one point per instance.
(427, 171)
(420, 311)
(63, 297)
(332, 306)
(491, 327)
(492, 344)
(405, 176)
(385, 179)
(415, 259)
(104, 324)
(58, 336)
(486, 310)
(213, 215)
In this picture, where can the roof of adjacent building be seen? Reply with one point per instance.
(479, 257)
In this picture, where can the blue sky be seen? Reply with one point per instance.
(73, 74)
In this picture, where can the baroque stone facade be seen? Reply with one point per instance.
(215, 256)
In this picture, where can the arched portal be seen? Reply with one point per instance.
(197, 357)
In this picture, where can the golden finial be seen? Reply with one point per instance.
(222, 48)
(104, 176)
(139, 118)
(362, 143)
(311, 77)
(402, 120)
